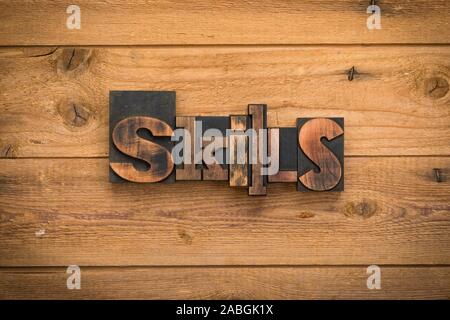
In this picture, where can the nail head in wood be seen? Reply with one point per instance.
(437, 174)
(351, 73)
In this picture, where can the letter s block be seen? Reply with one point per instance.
(320, 154)
(141, 124)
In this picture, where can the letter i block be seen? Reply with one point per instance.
(320, 154)
(141, 124)
(257, 149)
(238, 152)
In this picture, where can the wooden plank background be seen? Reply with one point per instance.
(200, 22)
(391, 108)
(206, 240)
(226, 283)
(392, 212)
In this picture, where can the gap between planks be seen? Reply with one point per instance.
(224, 46)
(226, 266)
(349, 156)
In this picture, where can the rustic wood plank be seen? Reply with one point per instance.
(54, 103)
(169, 22)
(64, 211)
(402, 282)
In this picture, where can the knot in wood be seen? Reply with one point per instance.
(436, 87)
(73, 58)
(74, 115)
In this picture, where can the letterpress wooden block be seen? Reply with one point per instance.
(321, 154)
(141, 125)
(189, 169)
(214, 130)
(286, 140)
(257, 150)
(238, 151)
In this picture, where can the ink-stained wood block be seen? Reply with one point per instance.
(258, 122)
(189, 169)
(215, 148)
(238, 152)
(284, 176)
(287, 142)
(215, 127)
(127, 140)
(321, 154)
(221, 123)
(158, 105)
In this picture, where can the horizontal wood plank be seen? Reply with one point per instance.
(226, 283)
(54, 102)
(169, 22)
(56, 212)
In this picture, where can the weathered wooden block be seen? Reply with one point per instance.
(238, 166)
(189, 169)
(286, 140)
(258, 122)
(219, 170)
(321, 154)
(140, 126)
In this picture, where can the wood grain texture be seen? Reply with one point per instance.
(284, 176)
(167, 241)
(168, 22)
(57, 212)
(398, 282)
(56, 106)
